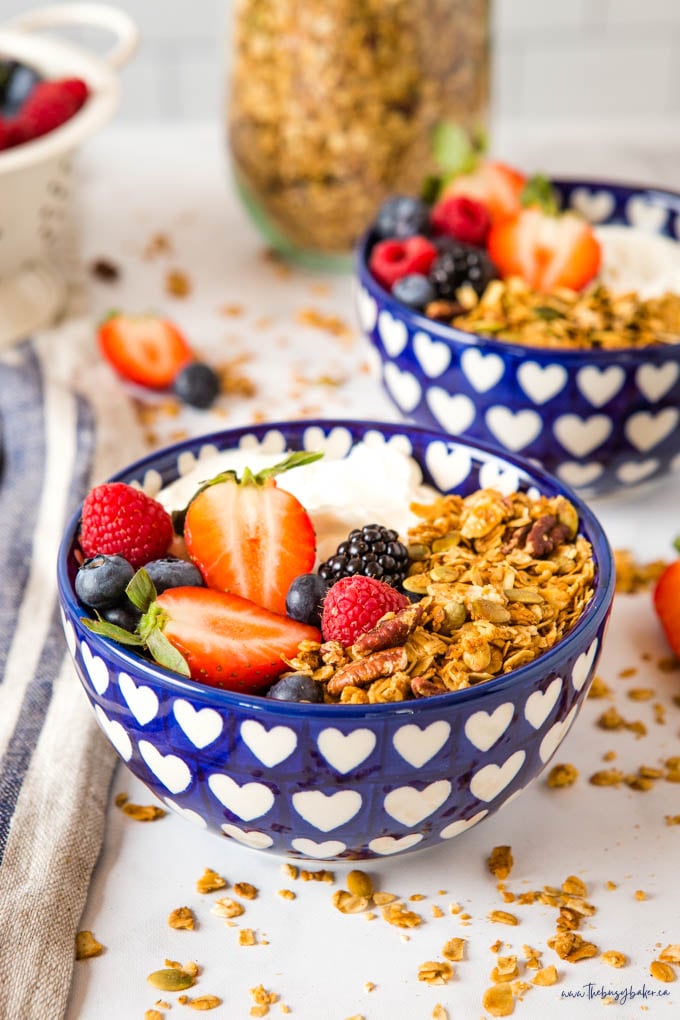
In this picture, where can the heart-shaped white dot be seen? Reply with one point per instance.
(410, 806)
(318, 851)
(596, 206)
(393, 333)
(492, 779)
(171, 770)
(646, 430)
(494, 476)
(555, 736)
(449, 468)
(580, 436)
(654, 381)
(252, 800)
(334, 446)
(345, 751)
(462, 825)
(541, 382)
(455, 413)
(385, 846)
(584, 665)
(600, 385)
(633, 472)
(645, 214)
(95, 668)
(482, 371)
(434, 356)
(116, 734)
(186, 813)
(254, 839)
(514, 429)
(201, 726)
(273, 441)
(404, 387)
(540, 704)
(367, 310)
(142, 701)
(69, 634)
(327, 811)
(269, 746)
(483, 729)
(377, 442)
(577, 475)
(416, 745)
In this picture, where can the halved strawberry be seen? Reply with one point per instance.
(667, 603)
(496, 185)
(250, 537)
(144, 348)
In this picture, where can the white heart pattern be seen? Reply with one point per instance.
(632, 472)
(493, 475)
(69, 634)
(583, 665)
(95, 668)
(600, 385)
(577, 475)
(596, 206)
(172, 771)
(345, 751)
(393, 334)
(580, 436)
(492, 779)
(273, 441)
(462, 825)
(540, 704)
(416, 745)
(555, 736)
(327, 811)
(482, 371)
(142, 701)
(434, 356)
(334, 446)
(201, 726)
(319, 851)
(654, 381)
(646, 215)
(409, 806)
(403, 386)
(387, 845)
(449, 468)
(514, 430)
(455, 413)
(252, 800)
(187, 813)
(483, 729)
(541, 382)
(269, 746)
(646, 430)
(254, 839)
(116, 734)
(367, 309)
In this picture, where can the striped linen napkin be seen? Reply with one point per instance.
(65, 427)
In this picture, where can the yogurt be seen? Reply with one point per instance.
(373, 484)
(639, 261)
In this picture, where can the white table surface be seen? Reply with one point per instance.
(143, 181)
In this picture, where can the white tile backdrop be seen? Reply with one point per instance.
(605, 60)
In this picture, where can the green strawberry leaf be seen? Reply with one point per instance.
(676, 543)
(294, 460)
(165, 653)
(539, 191)
(110, 630)
(141, 590)
(452, 148)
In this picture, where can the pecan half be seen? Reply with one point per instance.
(372, 666)
(423, 688)
(545, 535)
(390, 633)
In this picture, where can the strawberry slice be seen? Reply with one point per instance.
(496, 185)
(250, 537)
(144, 349)
(667, 603)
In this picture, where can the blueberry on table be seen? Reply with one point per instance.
(197, 384)
(414, 290)
(296, 687)
(17, 81)
(402, 216)
(173, 572)
(101, 580)
(304, 600)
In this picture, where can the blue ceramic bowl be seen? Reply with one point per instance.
(334, 782)
(601, 420)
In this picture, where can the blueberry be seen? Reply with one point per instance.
(197, 384)
(101, 580)
(172, 572)
(402, 216)
(124, 615)
(414, 290)
(296, 687)
(305, 599)
(17, 81)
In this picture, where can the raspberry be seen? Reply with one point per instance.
(464, 218)
(392, 259)
(118, 519)
(50, 104)
(355, 604)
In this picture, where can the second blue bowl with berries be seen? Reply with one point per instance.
(604, 416)
(347, 776)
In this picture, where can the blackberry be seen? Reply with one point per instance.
(459, 264)
(373, 551)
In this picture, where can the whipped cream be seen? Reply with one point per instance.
(373, 484)
(636, 260)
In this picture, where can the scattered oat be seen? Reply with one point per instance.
(287, 894)
(436, 910)
(139, 812)
(331, 324)
(610, 885)
(606, 777)
(226, 907)
(546, 976)
(614, 959)
(369, 986)
(640, 894)
(671, 954)
(322, 875)
(87, 946)
(440, 1013)
(500, 861)
(347, 903)
(231, 311)
(496, 946)
(661, 971)
(245, 890)
(177, 283)
(562, 775)
(640, 693)
(182, 919)
(263, 1000)
(203, 1002)
(246, 937)
(506, 969)
(574, 886)
(381, 899)
(153, 1014)
(570, 946)
(599, 689)
(672, 819)
(659, 713)
(632, 576)
(503, 917)
(210, 881)
(435, 972)
(499, 1000)
(454, 950)
(398, 915)
(416, 897)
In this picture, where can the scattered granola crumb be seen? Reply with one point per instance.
(369, 986)
(202, 1003)
(263, 1000)
(287, 894)
(614, 959)
(661, 971)
(436, 910)
(322, 875)
(139, 812)
(496, 946)
(435, 972)
(182, 919)
(503, 917)
(599, 689)
(499, 1000)
(153, 1014)
(562, 775)
(671, 954)
(398, 915)
(640, 693)
(210, 881)
(231, 311)
(177, 283)
(246, 937)
(570, 946)
(672, 819)
(245, 890)
(158, 244)
(632, 576)
(606, 777)
(226, 907)
(440, 1013)
(87, 946)
(640, 894)
(500, 861)
(346, 903)
(331, 324)
(505, 970)
(546, 976)
(454, 949)
(611, 885)
(106, 270)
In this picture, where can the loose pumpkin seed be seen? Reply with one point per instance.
(170, 979)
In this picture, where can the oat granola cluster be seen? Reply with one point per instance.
(502, 579)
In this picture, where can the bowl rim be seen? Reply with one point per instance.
(455, 337)
(590, 620)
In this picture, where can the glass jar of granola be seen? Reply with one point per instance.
(333, 104)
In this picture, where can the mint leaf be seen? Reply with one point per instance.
(141, 591)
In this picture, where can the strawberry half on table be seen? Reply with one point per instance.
(667, 604)
(144, 349)
(250, 537)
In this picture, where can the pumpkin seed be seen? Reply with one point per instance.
(417, 583)
(525, 595)
(455, 616)
(485, 609)
(443, 573)
(418, 551)
(448, 541)
(170, 979)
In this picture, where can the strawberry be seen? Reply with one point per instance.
(144, 349)
(354, 605)
(250, 537)
(666, 599)
(118, 519)
(497, 186)
(48, 106)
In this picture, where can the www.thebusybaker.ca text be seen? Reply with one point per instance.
(620, 995)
